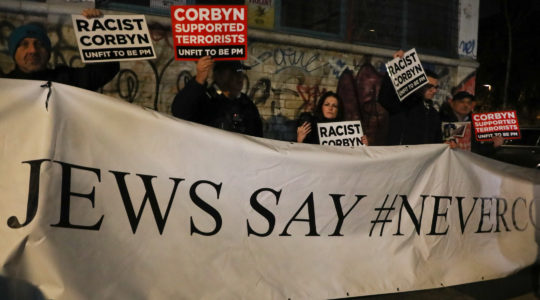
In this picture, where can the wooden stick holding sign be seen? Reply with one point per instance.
(407, 74)
(347, 134)
(113, 38)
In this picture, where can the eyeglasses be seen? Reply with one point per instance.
(431, 86)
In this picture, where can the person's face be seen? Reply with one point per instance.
(330, 107)
(463, 106)
(230, 82)
(431, 88)
(31, 55)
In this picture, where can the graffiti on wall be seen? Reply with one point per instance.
(284, 81)
(467, 48)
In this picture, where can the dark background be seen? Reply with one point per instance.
(510, 26)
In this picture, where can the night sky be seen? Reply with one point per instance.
(523, 93)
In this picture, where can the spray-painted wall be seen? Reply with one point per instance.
(284, 81)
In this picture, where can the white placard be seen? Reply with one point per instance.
(347, 134)
(406, 73)
(113, 38)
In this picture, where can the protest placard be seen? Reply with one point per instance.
(502, 123)
(203, 30)
(406, 73)
(348, 134)
(459, 132)
(261, 13)
(113, 38)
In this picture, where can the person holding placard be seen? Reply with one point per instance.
(329, 108)
(414, 120)
(222, 103)
(459, 109)
(30, 48)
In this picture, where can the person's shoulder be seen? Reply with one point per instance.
(246, 100)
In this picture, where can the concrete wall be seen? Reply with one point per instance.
(288, 72)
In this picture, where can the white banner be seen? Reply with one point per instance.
(101, 199)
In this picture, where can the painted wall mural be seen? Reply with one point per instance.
(284, 80)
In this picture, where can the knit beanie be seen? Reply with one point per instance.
(25, 31)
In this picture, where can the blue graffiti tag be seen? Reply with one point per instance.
(467, 47)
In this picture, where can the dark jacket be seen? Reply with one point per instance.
(90, 77)
(313, 136)
(197, 103)
(412, 121)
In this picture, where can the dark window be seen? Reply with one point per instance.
(322, 16)
(427, 25)
(432, 26)
(158, 7)
(376, 22)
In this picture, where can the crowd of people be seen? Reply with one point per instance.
(221, 103)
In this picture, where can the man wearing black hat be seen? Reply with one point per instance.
(459, 109)
(30, 48)
(222, 104)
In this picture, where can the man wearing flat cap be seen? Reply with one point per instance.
(221, 104)
(30, 48)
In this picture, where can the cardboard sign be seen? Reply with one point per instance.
(348, 134)
(113, 38)
(407, 74)
(459, 132)
(261, 13)
(202, 30)
(502, 123)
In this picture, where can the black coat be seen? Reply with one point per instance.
(412, 121)
(313, 136)
(90, 77)
(197, 103)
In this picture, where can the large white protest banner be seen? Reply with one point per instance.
(101, 199)
(113, 38)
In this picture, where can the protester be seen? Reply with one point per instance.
(414, 120)
(459, 109)
(220, 104)
(329, 108)
(30, 48)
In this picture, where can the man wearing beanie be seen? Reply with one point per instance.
(30, 48)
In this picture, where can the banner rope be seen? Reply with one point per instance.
(47, 85)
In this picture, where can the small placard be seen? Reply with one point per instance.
(203, 30)
(502, 123)
(406, 73)
(113, 38)
(348, 133)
